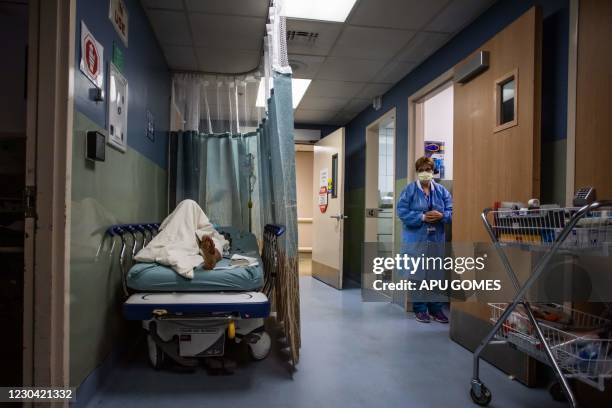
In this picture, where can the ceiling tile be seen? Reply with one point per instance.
(348, 69)
(320, 103)
(458, 14)
(334, 89)
(313, 116)
(227, 61)
(394, 72)
(327, 35)
(422, 46)
(342, 118)
(370, 43)
(231, 32)
(170, 27)
(163, 4)
(305, 66)
(405, 14)
(180, 57)
(373, 90)
(357, 105)
(256, 8)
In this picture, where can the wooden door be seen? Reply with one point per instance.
(594, 98)
(494, 162)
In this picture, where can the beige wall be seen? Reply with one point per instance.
(303, 172)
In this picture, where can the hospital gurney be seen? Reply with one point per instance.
(586, 358)
(189, 319)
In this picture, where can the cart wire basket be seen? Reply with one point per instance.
(575, 344)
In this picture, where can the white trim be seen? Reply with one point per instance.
(572, 78)
(429, 90)
(50, 127)
(391, 113)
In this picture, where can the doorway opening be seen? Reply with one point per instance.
(304, 160)
(434, 131)
(430, 116)
(14, 26)
(379, 217)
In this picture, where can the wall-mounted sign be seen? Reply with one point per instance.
(92, 57)
(323, 199)
(117, 109)
(118, 59)
(118, 15)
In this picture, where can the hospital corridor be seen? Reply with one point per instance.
(306, 203)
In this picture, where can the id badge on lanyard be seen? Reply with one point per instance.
(431, 229)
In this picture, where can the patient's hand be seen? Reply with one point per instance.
(209, 252)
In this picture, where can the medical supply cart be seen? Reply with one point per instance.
(575, 344)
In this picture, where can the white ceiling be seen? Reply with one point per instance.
(350, 63)
(381, 41)
(224, 36)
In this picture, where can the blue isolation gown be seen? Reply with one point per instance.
(418, 237)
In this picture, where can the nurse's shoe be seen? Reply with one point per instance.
(439, 317)
(422, 317)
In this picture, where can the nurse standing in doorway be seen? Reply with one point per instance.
(424, 207)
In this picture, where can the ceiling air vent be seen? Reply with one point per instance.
(301, 37)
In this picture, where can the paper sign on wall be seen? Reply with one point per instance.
(118, 15)
(92, 57)
(323, 178)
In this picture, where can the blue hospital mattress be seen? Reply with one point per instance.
(153, 277)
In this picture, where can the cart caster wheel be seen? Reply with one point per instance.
(261, 348)
(157, 357)
(556, 391)
(485, 396)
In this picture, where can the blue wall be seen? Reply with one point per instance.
(502, 13)
(149, 79)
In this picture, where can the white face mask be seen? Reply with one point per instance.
(425, 175)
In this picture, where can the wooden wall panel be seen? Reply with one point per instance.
(497, 166)
(492, 166)
(594, 97)
(593, 164)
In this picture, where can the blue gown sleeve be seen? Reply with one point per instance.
(448, 207)
(410, 218)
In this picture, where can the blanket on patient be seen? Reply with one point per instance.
(177, 244)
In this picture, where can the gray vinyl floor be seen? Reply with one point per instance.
(353, 354)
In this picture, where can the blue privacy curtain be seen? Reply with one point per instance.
(248, 181)
(276, 189)
(212, 170)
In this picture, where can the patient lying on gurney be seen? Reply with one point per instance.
(186, 239)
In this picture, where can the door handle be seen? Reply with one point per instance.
(339, 217)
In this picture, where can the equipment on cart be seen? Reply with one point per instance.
(576, 344)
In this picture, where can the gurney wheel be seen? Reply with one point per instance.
(260, 349)
(156, 355)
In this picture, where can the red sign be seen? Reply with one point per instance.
(92, 58)
(323, 199)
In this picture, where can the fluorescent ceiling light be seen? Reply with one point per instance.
(298, 89)
(261, 94)
(324, 10)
